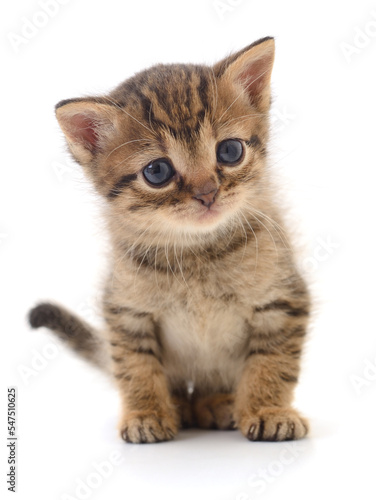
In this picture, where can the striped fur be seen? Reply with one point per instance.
(198, 295)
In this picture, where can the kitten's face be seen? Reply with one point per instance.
(177, 149)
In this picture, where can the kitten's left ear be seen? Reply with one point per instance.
(252, 68)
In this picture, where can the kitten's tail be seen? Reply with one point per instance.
(78, 334)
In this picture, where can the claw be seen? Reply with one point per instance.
(251, 432)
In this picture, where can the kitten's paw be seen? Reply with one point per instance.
(273, 424)
(214, 411)
(143, 427)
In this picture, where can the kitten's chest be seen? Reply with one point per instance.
(203, 336)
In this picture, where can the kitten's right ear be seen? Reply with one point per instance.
(88, 126)
(252, 68)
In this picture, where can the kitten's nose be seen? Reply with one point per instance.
(208, 198)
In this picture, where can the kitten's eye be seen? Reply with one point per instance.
(229, 151)
(158, 172)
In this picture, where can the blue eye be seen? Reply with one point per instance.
(159, 172)
(229, 151)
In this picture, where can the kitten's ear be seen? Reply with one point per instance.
(252, 68)
(88, 126)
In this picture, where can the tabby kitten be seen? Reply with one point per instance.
(205, 310)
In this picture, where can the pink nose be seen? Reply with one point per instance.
(206, 199)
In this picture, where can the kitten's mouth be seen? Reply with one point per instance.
(199, 219)
(208, 214)
(202, 218)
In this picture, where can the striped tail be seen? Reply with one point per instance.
(75, 332)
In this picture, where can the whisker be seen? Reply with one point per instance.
(125, 144)
(245, 234)
(256, 244)
(270, 234)
(278, 228)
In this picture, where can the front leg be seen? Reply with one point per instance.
(148, 414)
(263, 400)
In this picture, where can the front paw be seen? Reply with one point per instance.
(148, 427)
(273, 424)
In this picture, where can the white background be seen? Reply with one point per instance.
(52, 245)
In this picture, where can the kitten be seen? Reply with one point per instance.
(204, 291)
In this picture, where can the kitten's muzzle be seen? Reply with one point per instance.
(206, 199)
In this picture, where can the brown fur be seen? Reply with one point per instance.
(194, 296)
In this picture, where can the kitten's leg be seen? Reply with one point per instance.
(148, 412)
(265, 392)
(214, 411)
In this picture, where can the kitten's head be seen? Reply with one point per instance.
(177, 147)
